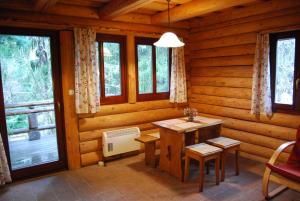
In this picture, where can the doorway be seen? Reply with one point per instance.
(30, 102)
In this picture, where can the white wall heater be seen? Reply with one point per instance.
(120, 141)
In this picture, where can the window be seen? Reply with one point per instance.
(111, 58)
(153, 70)
(285, 71)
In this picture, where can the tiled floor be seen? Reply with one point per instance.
(129, 179)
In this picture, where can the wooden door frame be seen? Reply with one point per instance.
(58, 106)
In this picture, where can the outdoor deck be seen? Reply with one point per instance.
(25, 153)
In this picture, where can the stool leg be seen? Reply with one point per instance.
(217, 169)
(207, 164)
(237, 169)
(223, 155)
(186, 168)
(150, 154)
(201, 167)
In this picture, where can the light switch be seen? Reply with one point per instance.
(71, 92)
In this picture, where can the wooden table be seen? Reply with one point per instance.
(172, 140)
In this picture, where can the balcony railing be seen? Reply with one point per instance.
(31, 109)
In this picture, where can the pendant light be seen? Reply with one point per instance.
(169, 39)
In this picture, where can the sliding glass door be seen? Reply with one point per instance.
(30, 102)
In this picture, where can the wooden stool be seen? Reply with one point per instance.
(227, 145)
(149, 140)
(202, 152)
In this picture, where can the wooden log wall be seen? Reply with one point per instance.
(130, 114)
(139, 114)
(222, 49)
(84, 132)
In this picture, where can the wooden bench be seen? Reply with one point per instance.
(149, 140)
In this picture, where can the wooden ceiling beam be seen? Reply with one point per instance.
(120, 7)
(195, 8)
(86, 12)
(43, 5)
(30, 19)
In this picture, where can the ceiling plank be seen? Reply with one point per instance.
(120, 7)
(146, 19)
(195, 8)
(43, 5)
(258, 8)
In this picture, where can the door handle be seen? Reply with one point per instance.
(58, 106)
(297, 83)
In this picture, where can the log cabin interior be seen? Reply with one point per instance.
(149, 100)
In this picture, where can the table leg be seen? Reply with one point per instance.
(171, 145)
(209, 133)
(237, 169)
(190, 138)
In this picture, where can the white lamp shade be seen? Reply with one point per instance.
(169, 39)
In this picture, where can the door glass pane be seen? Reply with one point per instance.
(285, 66)
(162, 69)
(112, 69)
(145, 69)
(28, 97)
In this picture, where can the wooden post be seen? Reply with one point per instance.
(33, 124)
(131, 69)
(71, 120)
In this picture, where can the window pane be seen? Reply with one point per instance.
(145, 69)
(162, 69)
(285, 62)
(112, 69)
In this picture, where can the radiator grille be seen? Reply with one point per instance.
(122, 132)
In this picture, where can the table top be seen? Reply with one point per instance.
(182, 125)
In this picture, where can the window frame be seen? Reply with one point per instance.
(154, 95)
(274, 37)
(121, 39)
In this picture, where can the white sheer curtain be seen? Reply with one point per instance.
(4, 170)
(87, 94)
(261, 89)
(178, 89)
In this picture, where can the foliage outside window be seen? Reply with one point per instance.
(111, 58)
(153, 70)
(285, 71)
(24, 62)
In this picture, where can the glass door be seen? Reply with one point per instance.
(31, 113)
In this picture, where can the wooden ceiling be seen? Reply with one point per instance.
(136, 11)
